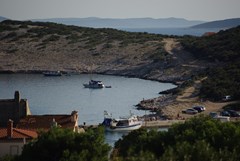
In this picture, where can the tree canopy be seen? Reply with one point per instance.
(201, 138)
(64, 145)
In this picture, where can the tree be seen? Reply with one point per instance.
(64, 145)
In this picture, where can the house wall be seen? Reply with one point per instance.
(11, 148)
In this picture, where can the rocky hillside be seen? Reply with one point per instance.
(37, 46)
(223, 49)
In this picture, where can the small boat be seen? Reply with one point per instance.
(52, 73)
(94, 84)
(122, 124)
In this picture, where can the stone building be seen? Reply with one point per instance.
(13, 109)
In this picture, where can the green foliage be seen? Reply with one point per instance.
(7, 158)
(65, 145)
(222, 81)
(10, 35)
(233, 106)
(73, 38)
(90, 36)
(51, 38)
(223, 46)
(159, 55)
(4, 26)
(200, 138)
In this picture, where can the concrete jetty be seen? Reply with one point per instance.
(161, 123)
(147, 124)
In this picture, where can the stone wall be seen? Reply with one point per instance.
(13, 109)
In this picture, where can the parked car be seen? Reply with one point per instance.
(225, 113)
(222, 118)
(227, 98)
(233, 113)
(199, 108)
(213, 114)
(190, 111)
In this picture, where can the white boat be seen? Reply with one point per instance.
(122, 124)
(94, 84)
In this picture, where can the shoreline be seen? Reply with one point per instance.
(77, 72)
(139, 107)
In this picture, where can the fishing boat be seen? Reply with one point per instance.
(52, 73)
(94, 84)
(128, 123)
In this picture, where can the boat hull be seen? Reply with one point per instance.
(52, 74)
(124, 128)
(93, 86)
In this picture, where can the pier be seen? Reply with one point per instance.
(161, 123)
(147, 124)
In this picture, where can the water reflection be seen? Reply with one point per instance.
(112, 137)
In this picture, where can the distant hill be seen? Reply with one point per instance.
(124, 23)
(228, 23)
(2, 18)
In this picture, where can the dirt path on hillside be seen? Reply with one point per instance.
(186, 59)
(189, 97)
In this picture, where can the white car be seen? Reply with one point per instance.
(190, 111)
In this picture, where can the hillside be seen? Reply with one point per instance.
(219, 57)
(204, 67)
(224, 49)
(224, 24)
(2, 18)
(37, 46)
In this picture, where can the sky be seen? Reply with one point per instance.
(206, 10)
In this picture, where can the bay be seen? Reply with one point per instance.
(62, 95)
(174, 31)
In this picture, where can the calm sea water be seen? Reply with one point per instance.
(62, 95)
(174, 31)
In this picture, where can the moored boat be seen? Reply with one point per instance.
(122, 124)
(94, 84)
(52, 73)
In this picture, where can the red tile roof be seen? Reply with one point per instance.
(209, 33)
(18, 134)
(35, 122)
